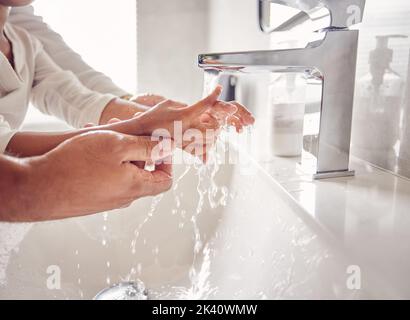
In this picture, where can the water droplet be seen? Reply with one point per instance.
(139, 268)
(155, 251)
(262, 296)
(177, 201)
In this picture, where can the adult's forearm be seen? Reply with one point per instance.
(14, 175)
(120, 109)
(28, 189)
(29, 144)
(28, 186)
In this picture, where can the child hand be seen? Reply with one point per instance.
(206, 117)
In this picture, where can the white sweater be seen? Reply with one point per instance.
(57, 93)
(37, 78)
(61, 53)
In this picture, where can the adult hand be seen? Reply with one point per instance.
(95, 172)
(147, 99)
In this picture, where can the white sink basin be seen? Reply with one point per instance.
(256, 246)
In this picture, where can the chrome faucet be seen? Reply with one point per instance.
(332, 60)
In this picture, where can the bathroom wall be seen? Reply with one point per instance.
(178, 30)
(234, 26)
(171, 34)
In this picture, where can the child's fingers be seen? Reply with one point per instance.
(236, 122)
(223, 108)
(202, 105)
(243, 113)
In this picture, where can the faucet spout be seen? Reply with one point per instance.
(273, 60)
(333, 60)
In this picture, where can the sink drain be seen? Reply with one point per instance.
(124, 291)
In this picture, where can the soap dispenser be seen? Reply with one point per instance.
(380, 96)
(381, 81)
(404, 158)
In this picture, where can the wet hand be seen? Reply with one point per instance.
(95, 172)
(206, 116)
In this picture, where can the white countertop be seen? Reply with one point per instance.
(368, 215)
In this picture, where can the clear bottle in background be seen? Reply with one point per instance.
(380, 97)
(287, 99)
(381, 81)
(404, 158)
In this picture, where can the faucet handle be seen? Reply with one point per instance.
(334, 13)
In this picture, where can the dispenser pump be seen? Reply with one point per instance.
(381, 57)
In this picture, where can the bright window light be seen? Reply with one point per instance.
(103, 32)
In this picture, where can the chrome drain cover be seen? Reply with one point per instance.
(124, 291)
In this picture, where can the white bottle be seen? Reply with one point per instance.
(287, 99)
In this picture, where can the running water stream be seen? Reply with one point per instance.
(208, 190)
(217, 196)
